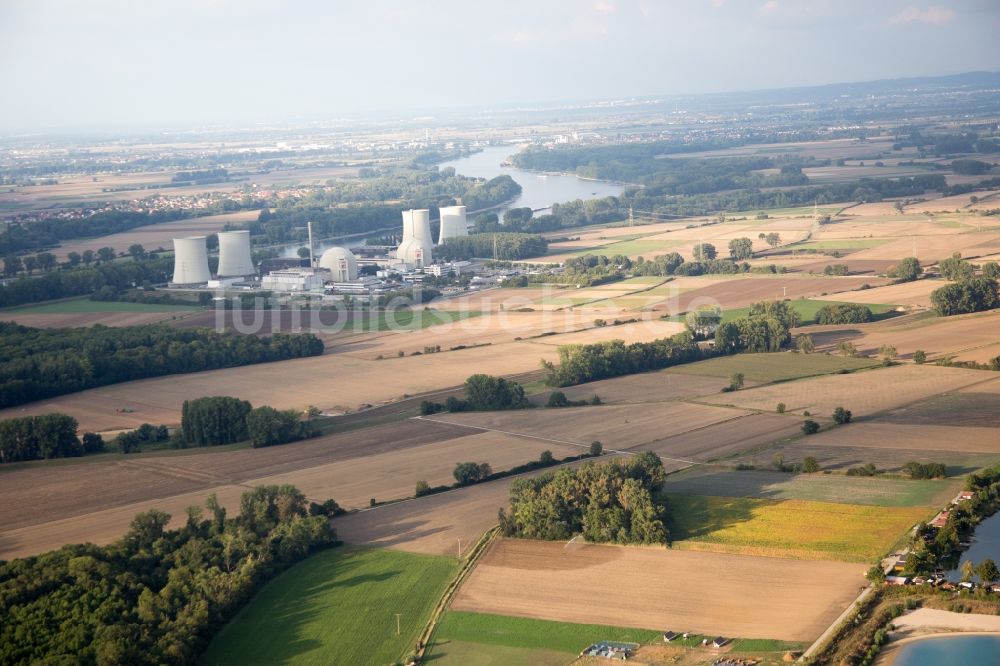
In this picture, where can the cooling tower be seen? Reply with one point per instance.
(341, 262)
(422, 225)
(453, 223)
(417, 248)
(234, 254)
(191, 261)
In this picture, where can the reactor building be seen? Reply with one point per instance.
(417, 248)
(453, 223)
(191, 261)
(341, 263)
(234, 254)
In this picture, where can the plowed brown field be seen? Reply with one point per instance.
(708, 593)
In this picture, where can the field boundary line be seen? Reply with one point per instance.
(830, 633)
(471, 559)
(528, 436)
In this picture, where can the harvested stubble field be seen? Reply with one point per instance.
(800, 529)
(616, 426)
(772, 367)
(330, 381)
(936, 336)
(885, 459)
(878, 434)
(658, 386)
(913, 294)
(865, 393)
(643, 587)
(744, 290)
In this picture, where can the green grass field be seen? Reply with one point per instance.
(486, 639)
(876, 491)
(387, 320)
(808, 308)
(781, 366)
(84, 305)
(528, 633)
(338, 606)
(788, 528)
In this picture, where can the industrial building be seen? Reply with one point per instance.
(295, 280)
(191, 261)
(417, 248)
(341, 263)
(453, 223)
(234, 254)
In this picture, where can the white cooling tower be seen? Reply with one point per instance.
(422, 225)
(341, 262)
(234, 254)
(191, 261)
(407, 224)
(417, 248)
(453, 223)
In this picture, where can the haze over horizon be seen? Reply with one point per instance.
(114, 64)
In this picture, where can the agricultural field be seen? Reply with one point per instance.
(936, 336)
(84, 312)
(761, 484)
(766, 368)
(385, 463)
(808, 309)
(864, 393)
(788, 528)
(650, 587)
(483, 638)
(342, 602)
(910, 294)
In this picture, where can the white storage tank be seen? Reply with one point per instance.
(234, 254)
(191, 261)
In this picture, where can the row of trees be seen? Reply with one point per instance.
(844, 313)
(613, 502)
(217, 420)
(43, 437)
(157, 596)
(970, 295)
(501, 246)
(41, 363)
(586, 363)
(85, 281)
(482, 393)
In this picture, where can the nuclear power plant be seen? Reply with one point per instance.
(417, 248)
(453, 223)
(234, 254)
(341, 263)
(191, 261)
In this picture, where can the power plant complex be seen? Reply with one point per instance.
(336, 272)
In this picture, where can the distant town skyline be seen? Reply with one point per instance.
(111, 63)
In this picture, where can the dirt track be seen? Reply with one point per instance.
(656, 588)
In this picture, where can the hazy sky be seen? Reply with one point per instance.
(108, 63)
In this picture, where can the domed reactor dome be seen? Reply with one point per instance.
(341, 262)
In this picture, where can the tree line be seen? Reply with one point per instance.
(156, 596)
(217, 420)
(502, 246)
(42, 363)
(586, 363)
(44, 437)
(118, 276)
(612, 502)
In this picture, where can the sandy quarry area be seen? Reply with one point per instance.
(657, 588)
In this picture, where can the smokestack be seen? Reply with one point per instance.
(311, 262)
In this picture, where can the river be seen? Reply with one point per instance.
(538, 190)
